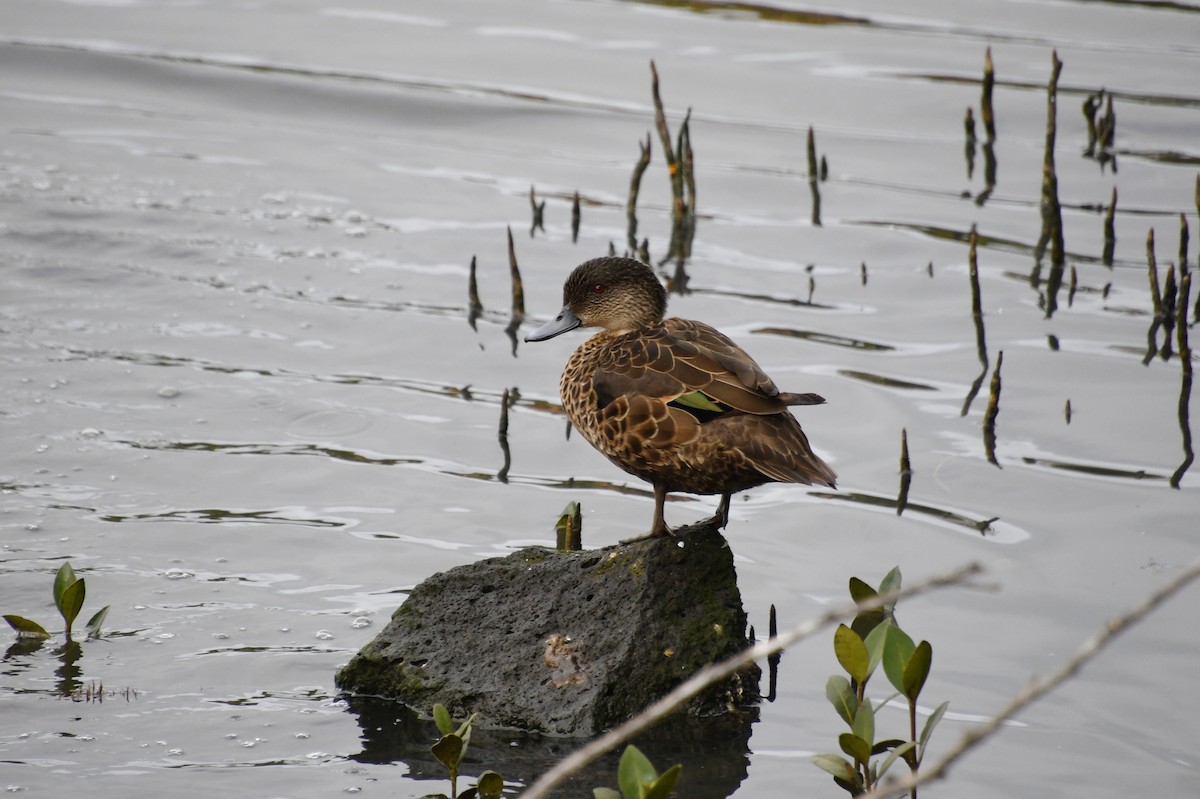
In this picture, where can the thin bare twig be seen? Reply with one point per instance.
(720, 671)
(1039, 688)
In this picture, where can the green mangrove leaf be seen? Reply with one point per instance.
(464, 732)
(851, 653)
(448, 750)
(26, 628)
(886, 746)
(842, 697)
(634, 771)
(917, 670)
(441, 717)
(97, 619)
(853, 788)
(861, 592)
(661, 788)
(464, 729)
(875, 641)
(490, 785)
(605, 793)
(72, 600)
(864, 723)
(897, 649)
(836, 765)
(62, 580)
(889, 585)
(899, 751)
(854, 746)
(930, 723)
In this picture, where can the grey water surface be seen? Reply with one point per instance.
(239, 392)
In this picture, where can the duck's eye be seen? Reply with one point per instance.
(598, 288)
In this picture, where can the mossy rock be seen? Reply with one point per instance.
(565, 643)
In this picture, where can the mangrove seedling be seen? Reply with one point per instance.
(69, 593)
(874, 638)
(638, 779)
(450, 750)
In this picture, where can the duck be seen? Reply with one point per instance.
(673, 401)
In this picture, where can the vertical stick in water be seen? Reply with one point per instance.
(502, 475)
(906, 473)
(993, 410)
(635, 185)
(985, 101)
(1110, 230)
(474, 306)
(811, 147)
(576, 215)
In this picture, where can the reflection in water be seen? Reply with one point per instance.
(69, 672)
(773, 658)
(714, 752)
(982, 526)
(539, 213)
(825, 338)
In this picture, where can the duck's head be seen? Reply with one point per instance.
(617, 294)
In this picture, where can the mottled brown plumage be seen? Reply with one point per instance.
(674, 401)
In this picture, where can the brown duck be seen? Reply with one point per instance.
(673, 401)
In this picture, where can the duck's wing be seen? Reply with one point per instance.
(690, 365)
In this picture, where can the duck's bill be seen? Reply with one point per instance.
(561, 324)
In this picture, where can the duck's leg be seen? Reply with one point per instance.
(722, 516)
(659, 528)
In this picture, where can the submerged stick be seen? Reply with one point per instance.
(635, 185)
(993, 410)
(1110, 230)
(576, 216)
(972, 139)
(502, 475)
(676, 169)
(518, 295)
(976, 318)
(985, 102)
(811, 147)
(474, 306)
(1185, 384)
(1051, 209)
(1090, 106)
(518, 289)
(906, 473)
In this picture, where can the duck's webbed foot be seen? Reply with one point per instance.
(722, 515)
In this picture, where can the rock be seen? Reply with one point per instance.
(565, 643)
